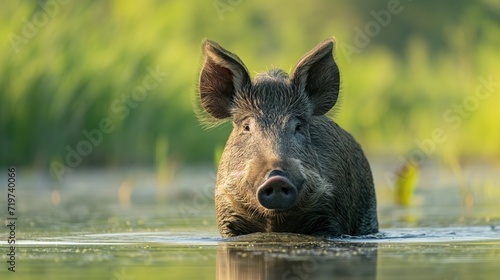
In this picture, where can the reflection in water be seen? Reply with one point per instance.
(294, 257)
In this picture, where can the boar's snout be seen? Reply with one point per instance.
(277, 192)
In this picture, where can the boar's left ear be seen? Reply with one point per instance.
(318, 76)
(222, 75)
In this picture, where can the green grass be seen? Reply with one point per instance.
(67, 76)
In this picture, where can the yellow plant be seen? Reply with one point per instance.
(406, 179)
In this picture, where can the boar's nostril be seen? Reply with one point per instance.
(284, 190)
(268, 191)
(277, 193)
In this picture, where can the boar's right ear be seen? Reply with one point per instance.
(222, 75)
(318, 76)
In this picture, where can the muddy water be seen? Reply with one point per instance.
(120, 225)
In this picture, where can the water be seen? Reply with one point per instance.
(118, 225)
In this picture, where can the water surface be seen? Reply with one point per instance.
(115, 225)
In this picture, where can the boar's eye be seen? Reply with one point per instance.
(245, 125)
(298, 128)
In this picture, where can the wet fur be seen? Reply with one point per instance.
(337, 194)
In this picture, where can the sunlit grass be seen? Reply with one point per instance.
(67, 77)
(218, 154)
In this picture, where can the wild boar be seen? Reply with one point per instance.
(286, 166)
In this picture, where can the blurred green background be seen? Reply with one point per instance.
(68, 66)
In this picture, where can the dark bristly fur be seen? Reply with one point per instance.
(279, 123)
